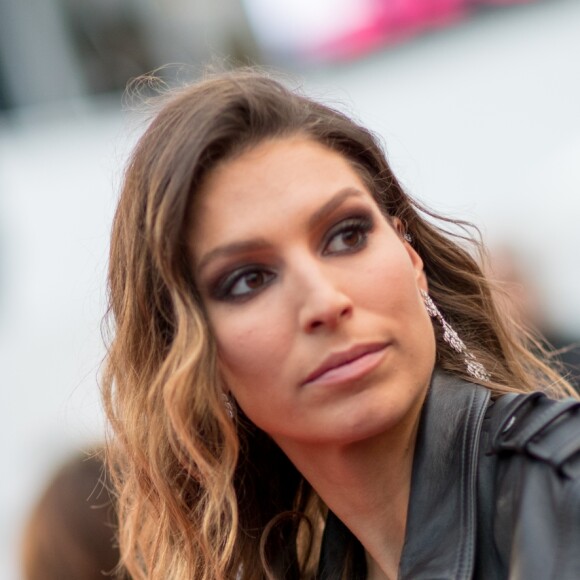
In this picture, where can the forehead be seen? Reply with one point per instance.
(275, 178)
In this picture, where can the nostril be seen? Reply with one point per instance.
(323, 304)
(330, 318)
(346, 311)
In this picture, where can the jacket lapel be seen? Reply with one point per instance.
(441, 522)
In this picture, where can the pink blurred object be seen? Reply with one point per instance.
(390, 21)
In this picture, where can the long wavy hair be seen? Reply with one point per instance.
(202, 496)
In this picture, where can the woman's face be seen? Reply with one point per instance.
(312, 295)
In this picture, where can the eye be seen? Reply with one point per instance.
(242, 283)
(348, 236)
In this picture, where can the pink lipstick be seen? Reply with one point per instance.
(348, 365)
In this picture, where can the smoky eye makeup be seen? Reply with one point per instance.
(241, 283)
(349, 234)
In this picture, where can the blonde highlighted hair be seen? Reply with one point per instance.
(202, 496)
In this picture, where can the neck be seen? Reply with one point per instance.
(367, 485)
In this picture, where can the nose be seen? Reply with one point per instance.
(324, 305)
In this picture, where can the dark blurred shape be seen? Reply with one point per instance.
(568, 353)
(71, 531)
(521, 300)
(57, 50)
(4, 98)
(109, 42)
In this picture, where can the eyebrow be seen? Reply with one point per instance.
(233, 248)
(333, 203)
(255, 244)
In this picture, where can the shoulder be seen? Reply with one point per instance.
(538, 428)
(534, 443)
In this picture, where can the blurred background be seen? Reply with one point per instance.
(477, 103)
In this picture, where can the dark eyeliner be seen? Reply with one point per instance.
(222, 287)
(363, 223)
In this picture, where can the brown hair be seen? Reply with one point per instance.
(201, 496)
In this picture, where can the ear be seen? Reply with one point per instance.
(416, 260)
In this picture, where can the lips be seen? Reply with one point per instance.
(347, 364)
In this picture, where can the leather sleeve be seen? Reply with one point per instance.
(536, 521)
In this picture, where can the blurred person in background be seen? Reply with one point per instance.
(307, 377)
(521, 300)
(71, 532)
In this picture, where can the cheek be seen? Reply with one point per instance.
(389, 282)
(250, 348)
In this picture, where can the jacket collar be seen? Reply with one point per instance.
(441, 522)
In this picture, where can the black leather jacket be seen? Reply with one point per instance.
(495, 491)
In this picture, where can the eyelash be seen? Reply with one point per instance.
(361, 224)
(222, 289)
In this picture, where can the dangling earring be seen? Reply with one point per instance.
(474, 367)
(228, 404)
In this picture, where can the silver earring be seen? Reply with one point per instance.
(228, 405)
(408, 237)
(450, 336)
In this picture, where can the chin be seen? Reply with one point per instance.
(360, 424)
(383, 415)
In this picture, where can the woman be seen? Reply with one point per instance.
(301, 378)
